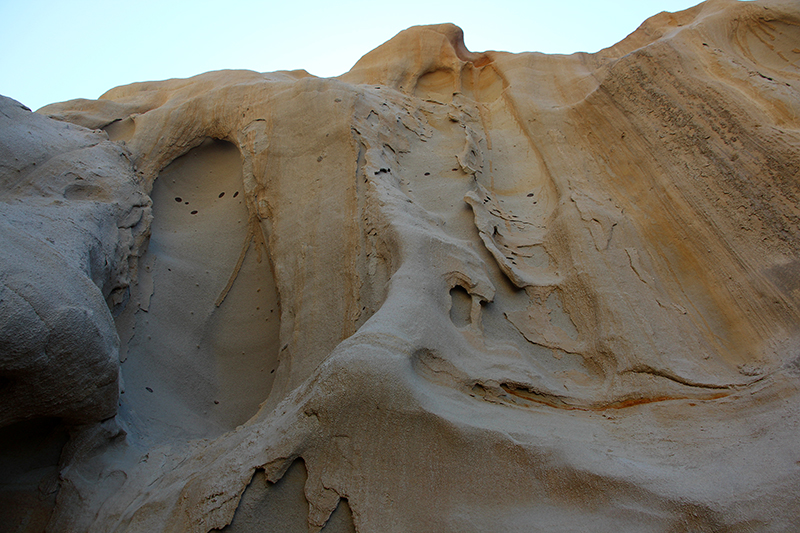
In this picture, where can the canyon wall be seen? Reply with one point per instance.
(445, 291)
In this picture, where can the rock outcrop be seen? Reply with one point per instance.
(445, 291)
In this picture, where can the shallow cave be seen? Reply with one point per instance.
(200, 344)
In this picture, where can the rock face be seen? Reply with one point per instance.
(445, 291)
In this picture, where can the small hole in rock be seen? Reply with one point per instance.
(236, 194)
(427, 173)
(178, 199)
(221, 194)
(460, 304)
(149, 389)
(194, 212)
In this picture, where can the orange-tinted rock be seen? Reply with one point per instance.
(472, 291)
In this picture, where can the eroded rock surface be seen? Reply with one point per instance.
(445, 291)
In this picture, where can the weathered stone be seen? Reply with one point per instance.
(471, 291)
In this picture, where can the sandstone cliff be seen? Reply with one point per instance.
(445, 291)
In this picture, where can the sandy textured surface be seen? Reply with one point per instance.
(445, 291)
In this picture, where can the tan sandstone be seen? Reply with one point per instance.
(445, 291)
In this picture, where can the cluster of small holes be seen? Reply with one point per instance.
(195, 211)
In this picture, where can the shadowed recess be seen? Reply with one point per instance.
(191, 365)
(281, 507)
(29, 454)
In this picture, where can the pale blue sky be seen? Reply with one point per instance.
(58, 50)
